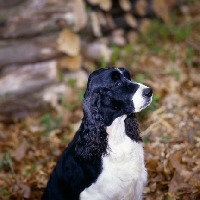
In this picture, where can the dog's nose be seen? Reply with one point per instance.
(147, 92)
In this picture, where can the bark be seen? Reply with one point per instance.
(105, 5)
(9, 3)
(30, 20)
(28, 78)
(44, 48)
(28, 51)
(18, 109)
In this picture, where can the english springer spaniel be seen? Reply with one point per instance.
(105, 160)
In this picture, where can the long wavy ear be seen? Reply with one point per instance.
(92, 143)
(131, 128)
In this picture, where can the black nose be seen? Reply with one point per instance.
(147, 92)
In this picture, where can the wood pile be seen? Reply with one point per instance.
(39, 39)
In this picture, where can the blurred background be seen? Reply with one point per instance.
(48, 48)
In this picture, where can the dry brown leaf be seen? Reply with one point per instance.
(25, 189)
(152, 164)
(21, 151)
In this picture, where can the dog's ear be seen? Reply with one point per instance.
(92, 142)
(131, 128)
(126, 73)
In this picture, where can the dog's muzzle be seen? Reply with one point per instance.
(142, 97)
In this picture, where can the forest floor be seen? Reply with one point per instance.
(167, 58)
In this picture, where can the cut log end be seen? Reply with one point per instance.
(105, 5)
(118, 38)
(69, 43)
(131, 21)
(132, 36)
(96, 51)
(125, 5)
(71, 63)
(161, 9)
(141, 7)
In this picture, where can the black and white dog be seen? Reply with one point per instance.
(105, 160)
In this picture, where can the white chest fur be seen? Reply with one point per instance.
(124, 173)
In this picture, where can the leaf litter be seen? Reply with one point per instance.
(170, 127)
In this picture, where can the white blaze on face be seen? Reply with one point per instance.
(139, 100)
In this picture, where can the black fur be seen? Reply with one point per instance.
(108, 96)
(130, 125)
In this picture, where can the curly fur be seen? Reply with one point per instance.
(92, 143)
(131, 128)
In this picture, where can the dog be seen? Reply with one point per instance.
(105, 160)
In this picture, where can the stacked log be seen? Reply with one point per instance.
(40, 38)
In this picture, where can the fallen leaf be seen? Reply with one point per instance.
(25, 189)
(20, 152)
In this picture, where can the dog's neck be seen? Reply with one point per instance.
(116, 131)
(121, 127)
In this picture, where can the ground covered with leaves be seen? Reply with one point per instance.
(167, 58)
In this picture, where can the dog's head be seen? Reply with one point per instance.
(113, 92)
(110, 94)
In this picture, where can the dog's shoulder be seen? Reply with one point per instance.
(71, 176)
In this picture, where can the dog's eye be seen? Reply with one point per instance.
(118, 83)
